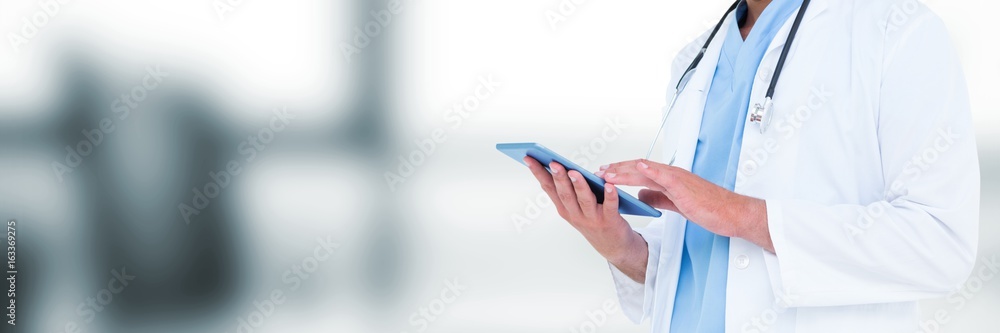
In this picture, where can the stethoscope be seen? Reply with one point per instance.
(761, 114)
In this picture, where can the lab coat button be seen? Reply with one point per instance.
(742, 261)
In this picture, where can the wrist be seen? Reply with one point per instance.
(631, 248)
(750, 222)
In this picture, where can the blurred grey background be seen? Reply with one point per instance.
(324, 228)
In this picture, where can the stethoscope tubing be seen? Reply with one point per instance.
(768, 97)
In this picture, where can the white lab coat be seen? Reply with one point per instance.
(869, 171)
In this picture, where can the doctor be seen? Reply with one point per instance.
(853, 197)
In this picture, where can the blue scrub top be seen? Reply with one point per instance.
(700, 306)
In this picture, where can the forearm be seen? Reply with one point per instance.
(714, 208)
(633, 258)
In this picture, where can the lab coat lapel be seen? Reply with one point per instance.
(691, 104)
(751, 131)
(689, 110)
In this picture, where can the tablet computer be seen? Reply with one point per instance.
(627, 204)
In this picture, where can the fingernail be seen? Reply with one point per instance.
(605, 167)
(608, 188)
(572, 179)
(599, 173)
(643, 166)
(554, 169)
(611, 175)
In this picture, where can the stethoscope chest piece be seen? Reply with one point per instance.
(762, 114)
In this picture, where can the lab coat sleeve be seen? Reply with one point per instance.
(920, 240)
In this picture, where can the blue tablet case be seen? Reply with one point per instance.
(627, 204)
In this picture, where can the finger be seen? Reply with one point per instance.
(585, 197)
(657, 199)
(622, 167)
(619, 164)
(633, 178)
(619, 167)
(662, 174)
(610, 206)
(545, 179)
(564, 189)
(543, 176)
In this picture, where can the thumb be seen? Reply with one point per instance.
(657, 199)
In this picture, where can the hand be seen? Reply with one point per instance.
(601, 224)
(714, 208)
